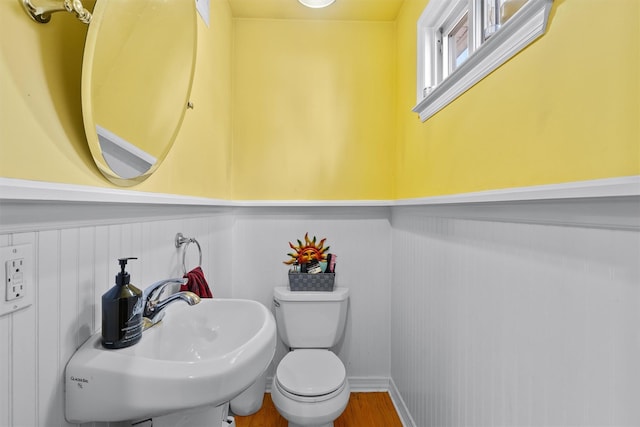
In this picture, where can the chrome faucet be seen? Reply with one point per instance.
(154, 307)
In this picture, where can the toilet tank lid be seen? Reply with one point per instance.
(282, 293)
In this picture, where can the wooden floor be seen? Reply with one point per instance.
(363, 410)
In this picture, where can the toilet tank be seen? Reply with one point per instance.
(310, 319)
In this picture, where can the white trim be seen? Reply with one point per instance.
(23, 205)
(18, 189)
(368, 384)
(312, 203)
(401, 407)
(613, 213)
(607, 187)
(428, 39)
(608, 203)
(522, 29)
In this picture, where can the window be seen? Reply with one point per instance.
(458, 41)
(461, 41)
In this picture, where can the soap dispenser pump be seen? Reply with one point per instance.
(122, 308)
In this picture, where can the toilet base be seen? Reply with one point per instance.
(305, 414)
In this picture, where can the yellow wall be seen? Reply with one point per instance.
(321, 110)
(41, 131)
(565, 109)
(314, 109)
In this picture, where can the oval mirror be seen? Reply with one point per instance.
(137, 73)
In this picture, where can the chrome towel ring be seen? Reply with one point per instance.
(181, 240)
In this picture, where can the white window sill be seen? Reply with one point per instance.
(521, 30)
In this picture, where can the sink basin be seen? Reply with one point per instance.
(198, 355)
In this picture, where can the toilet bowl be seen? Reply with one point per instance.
(310, 386)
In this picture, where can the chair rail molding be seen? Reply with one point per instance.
(610, 202)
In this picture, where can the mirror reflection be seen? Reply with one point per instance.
(136, 79)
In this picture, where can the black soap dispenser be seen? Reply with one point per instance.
(122, 308)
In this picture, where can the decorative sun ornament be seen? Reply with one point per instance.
(308, 251)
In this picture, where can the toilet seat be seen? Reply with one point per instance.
(310, 399)
(310, 375)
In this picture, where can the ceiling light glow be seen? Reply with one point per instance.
(316, 4)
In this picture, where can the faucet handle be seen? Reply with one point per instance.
(154, 291)
(154, 309)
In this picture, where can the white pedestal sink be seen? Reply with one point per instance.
(198, 356)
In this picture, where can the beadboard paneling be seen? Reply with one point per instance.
(74, 267)
(6, 359)
(514, 323)
(481, 314)
(361, 238)
(242, 253)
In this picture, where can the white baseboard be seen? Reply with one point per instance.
(368, 384)
(401, 408)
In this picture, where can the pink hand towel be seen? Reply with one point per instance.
(197, 284)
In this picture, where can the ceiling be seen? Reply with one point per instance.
(343, 10)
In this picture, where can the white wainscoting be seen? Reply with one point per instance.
(243, 250)
(360, 237)
(74, 267)
(509, 313)
(523, 314)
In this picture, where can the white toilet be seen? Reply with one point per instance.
(310, 387)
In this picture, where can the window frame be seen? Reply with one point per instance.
(434, 90)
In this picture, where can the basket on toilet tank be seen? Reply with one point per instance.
(322, 282)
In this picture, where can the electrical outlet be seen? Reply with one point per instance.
(17, 278)
(14, 279)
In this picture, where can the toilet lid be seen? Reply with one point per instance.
(310, 372)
